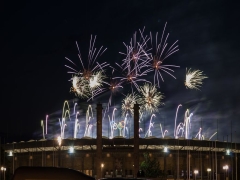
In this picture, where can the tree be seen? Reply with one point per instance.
(151, 167)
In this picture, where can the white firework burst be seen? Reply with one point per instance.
(150, 98)
(90, 73)
(128, 103)
(96, 80)
(194, 79)
(80, 87)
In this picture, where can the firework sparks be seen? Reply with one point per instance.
(80, 87)
(96, 81)
(137, 52)
(113, 86)
(92, 65)
(150, 98)
(163, 133)
(199, 134)
(133, 77)
(113, 124)
(76, 126)
(128, 103)
(162, 52)
(212, 135)
(89, 116)
(149, 132)
(90, 75)
(194, 79)
(175, 134)
(187, 123)
(134, 66)
(42, 124)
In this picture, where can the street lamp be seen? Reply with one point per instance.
(225, 168)
(10, 153)
(228, 152)
(208, 170)
(71, 150)
(102, 165)
(3, 169)
(195, 172)
(165, 149)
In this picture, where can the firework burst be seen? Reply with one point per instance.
(113, 86)
(90, 74)
(194, 79)
(80, 87)
(128, 103)
(150, 98)
(137, 53)
(160, 53)
(133, 77)
(96, 80)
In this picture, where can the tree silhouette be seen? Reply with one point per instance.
(151, 167)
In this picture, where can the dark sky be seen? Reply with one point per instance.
(36, 37)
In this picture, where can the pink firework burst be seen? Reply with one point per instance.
(160, 53)
(137, 54)
(130, 75)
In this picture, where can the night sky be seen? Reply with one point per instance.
(36, 37)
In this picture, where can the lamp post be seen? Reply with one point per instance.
(208, 170)
(11, 155)
(225, 168)
(165, 151)
(71, 152)
(195, 173)
(3, 169)
(102, 165)
(226, 171)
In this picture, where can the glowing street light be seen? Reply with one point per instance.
(4, 170)
(165, 149)
(10, 153)
(195, 172)
(208, 170)
(228, 152)
(71, 150)
(225, 168)
(102, 165)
